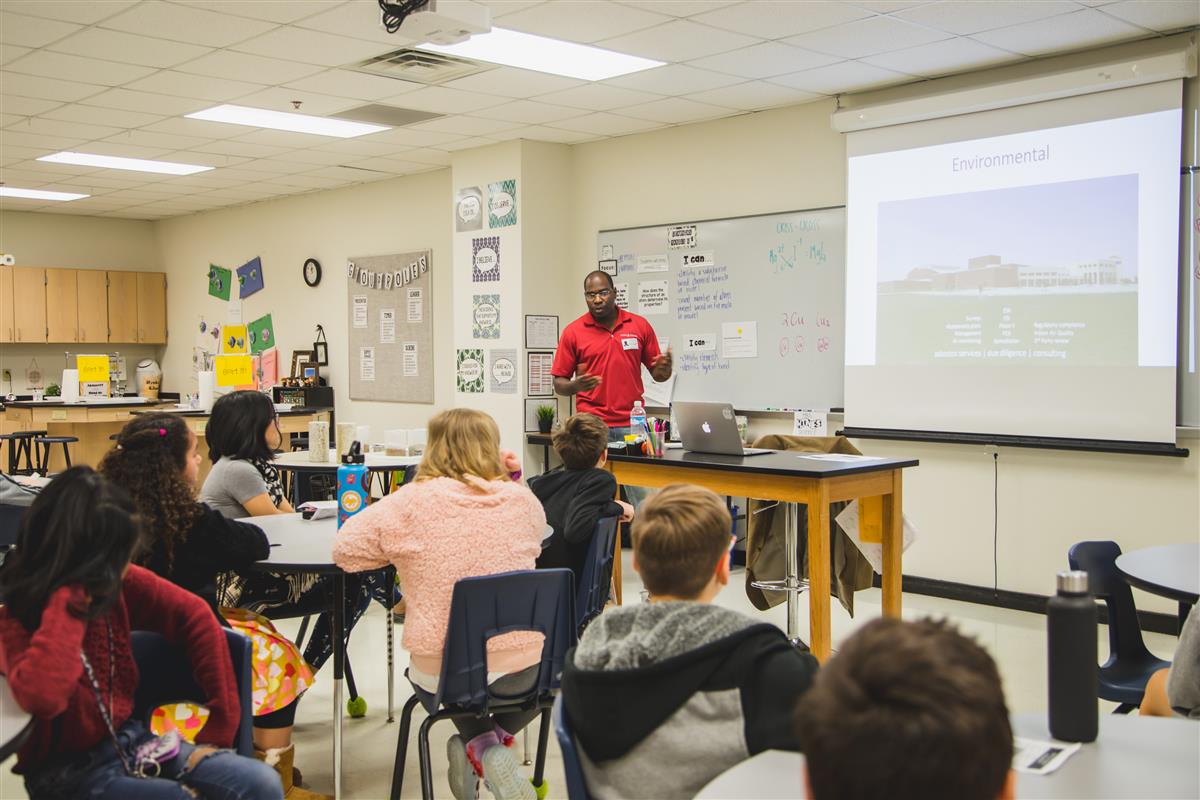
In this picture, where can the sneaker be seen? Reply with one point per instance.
(503, 776)
(464, 782)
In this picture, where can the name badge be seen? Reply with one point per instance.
(629, 343)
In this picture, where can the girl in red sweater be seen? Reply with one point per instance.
(71, 600)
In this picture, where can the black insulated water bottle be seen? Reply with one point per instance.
(1074, 673)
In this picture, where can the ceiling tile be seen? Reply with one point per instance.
(347, 174)
(1086, 28)
(1157, 15)
(53, 143)
(312, 47)
(102, 116)
(676, 110)
(275, 166)
(753, 96)
(80, 12)
(465, 126)
(199, 128)
(128, 48)
(424, 155)
(44, 88)
(847, 76)
(501, 7)
(441, 100)
(678, 8)
(468, 144)
(764, 60)
(357, 149)
(11, 52)
(581, 20)
(942, 58)
(65, 67)
(513, 82)
(169, 141)
(888, 6)
(288, 139)
(867, 37)
(313, 181)
(345, 83)
(965, 17)
(32, 31)
(181, 23)
(411, 138)
(238, 66)
(199, 87)
(357, 20)
(678, 40)
(542, 133)
(596, 97)
(775, 19)
(244, 149)
(269, 10)
(70, 130)
(393, 165)
(145, 101)
(195, 156)
(128, 151)
(281, 99)
(26, 106)
(605, 124)
(674, 79)
(11, 154)
(319, 157)
(531, 112)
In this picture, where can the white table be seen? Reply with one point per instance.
(1133, 757)
(15, 722)
(298, 462)
(1171, 570)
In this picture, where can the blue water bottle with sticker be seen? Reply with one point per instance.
(353, 485)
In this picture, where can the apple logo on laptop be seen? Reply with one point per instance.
(706, 428)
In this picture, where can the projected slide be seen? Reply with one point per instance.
(1041, 274)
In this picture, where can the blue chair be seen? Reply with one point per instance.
(480, 608)
(1123, 676)
(594, 584)
(572, 766)
(166, 676)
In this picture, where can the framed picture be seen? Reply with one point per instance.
(539, 380)
(299, 358)
(541, 331)
(320, 353)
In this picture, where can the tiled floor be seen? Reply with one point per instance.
(1016, 639)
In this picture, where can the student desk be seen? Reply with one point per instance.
(297, 464)
(789, 477)
(1171, 570)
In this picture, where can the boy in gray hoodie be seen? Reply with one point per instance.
(666, 695)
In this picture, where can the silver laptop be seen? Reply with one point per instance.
(711, 428)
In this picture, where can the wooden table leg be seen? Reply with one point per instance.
(893, 545)
(818, 573)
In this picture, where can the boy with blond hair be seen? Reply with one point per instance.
(664, 696)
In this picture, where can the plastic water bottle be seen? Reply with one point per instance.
(637, 419)
(353, 486)
(1074, 674)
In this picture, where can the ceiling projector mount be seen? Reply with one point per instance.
(443, 22)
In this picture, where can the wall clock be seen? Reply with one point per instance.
(312, 272)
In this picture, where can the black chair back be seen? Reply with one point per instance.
(592, 592)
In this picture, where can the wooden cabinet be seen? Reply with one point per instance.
(29, 304)
(152, 307)
(62, 306)
(123, 307)
(93, 306)
(7, 330)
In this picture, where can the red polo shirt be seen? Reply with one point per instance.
(616, 356)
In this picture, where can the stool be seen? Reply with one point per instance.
(44, 443)
(20, 443)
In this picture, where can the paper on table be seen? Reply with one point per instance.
(322, 509)
(1038, 757)
(848, 520)
(839, 457)
(739, 339)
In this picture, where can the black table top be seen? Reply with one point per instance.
(196, 412)
(111, 403)
(782, 462)
(1171, 570)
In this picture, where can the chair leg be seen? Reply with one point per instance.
(527, 760)
(402, 747)
(303, 631)
(350, 679)
(423, 754)
(66, 455)
(539, 767)
(1124, 708)
(389, 575)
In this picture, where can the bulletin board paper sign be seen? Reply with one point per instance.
(219, 282)
(699, 259)
(485, 316)
(739, 340)
(502, 204)
(655, 263)
(539, 379)
(360, 311)
(607, 266)
(92, 369)
(469, 365)
(262, 334)
(606, 251)
(680, 237)
(541, 331)
(810, 423)
(233, 313)
(250, 277)
(485, 259)
(268, 365)
(233, 340)
(416, 307)
(411, 366)
(622, 290)
(234, 370)
(468, 209)
(387, 326)
(366, 364)
(502, 371)
(700, 342)
(654, 298)
(849, 522)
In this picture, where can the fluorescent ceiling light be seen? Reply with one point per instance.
(117, 162)
(527, 51)
(286, 121)
(39, 194)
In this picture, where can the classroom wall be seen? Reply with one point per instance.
(66, 240)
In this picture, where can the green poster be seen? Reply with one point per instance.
(220, 280)
(470, 370)
(262, 334)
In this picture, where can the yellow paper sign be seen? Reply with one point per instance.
(92, 369)
(234, 370)
(233, 339)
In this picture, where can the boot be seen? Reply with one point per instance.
(282, 758)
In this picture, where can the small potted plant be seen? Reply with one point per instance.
(545, 418)
(53, 390)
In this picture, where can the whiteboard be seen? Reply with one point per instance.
(754, 307)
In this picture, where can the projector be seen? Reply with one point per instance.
(447, 22)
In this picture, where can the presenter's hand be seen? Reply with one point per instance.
(585, 382)
(662, 366)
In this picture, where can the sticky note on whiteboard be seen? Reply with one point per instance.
(810, 423)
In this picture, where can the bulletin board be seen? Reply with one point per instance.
(752, 307)
(390, 327)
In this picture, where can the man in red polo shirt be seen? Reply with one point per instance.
(600, 357)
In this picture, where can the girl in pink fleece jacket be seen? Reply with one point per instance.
(462, 517)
